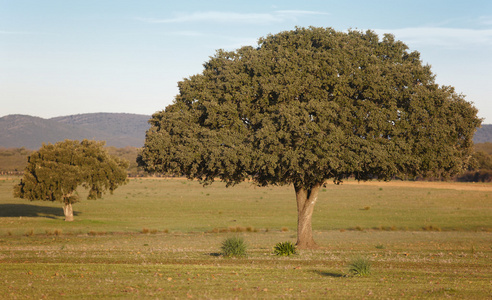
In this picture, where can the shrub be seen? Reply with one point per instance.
(234, 246)
(476, 176)
(360, 266)
(284, 249)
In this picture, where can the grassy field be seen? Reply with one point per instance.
(161, 238)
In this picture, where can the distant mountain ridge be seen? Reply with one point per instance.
(483, 134)
(117, 129)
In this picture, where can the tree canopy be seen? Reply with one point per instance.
(54, 172)
(310, 105)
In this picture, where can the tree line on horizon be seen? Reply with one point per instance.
(14, 160)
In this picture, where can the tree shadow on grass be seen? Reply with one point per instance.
(29, 210)
(329, 274)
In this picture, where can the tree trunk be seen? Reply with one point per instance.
(68, 211)
(306, 199)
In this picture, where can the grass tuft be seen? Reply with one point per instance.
(284, 249)
(234, 246)
(360, 266)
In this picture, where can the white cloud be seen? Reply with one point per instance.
(299, 12)
(485, 20)
(187, 33)
(13, 32)
(218, 17)
(444, 37)
(233, 17)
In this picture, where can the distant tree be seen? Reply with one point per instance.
(480, 161)
(310, 105)
(13, 160)
(54, 172)
(483, 147)
(130, 154)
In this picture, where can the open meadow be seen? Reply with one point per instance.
(161, 238)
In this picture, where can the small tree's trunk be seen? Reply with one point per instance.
(306, 199)
(68, 211)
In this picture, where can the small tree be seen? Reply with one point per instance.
(54, 172)
(310, 105)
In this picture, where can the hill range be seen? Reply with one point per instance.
(117, 129)
(483, 134)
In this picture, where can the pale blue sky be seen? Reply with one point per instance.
(80, 56)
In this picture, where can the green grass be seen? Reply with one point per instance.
(428, 264)
(185, 206)
(109, 251)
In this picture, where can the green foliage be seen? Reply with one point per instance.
(309, 105)
(284, 249)
(55, 171)
(360, 266)
(481, 161)
(480, 165)
(234, 246)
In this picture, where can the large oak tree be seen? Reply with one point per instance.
(310, 105)
(55, 171)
